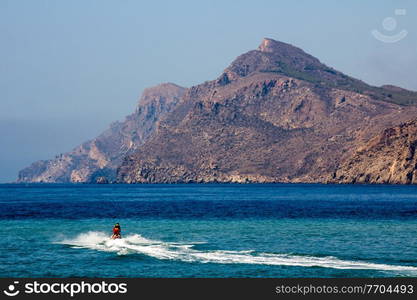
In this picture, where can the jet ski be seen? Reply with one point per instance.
(116, 236)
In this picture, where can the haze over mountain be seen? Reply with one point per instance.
(276, 114)
(98, 159)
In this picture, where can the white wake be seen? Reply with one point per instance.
(136, 244)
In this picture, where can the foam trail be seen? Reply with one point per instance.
(136, 244)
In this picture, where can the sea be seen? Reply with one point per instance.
(208, 230)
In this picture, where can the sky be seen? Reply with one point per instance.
(70, 68)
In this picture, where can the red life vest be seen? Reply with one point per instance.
(116, 230)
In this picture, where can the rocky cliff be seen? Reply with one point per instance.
(97, 160)
(389, 157)
(276, 114)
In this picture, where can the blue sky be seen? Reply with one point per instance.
(69, 68)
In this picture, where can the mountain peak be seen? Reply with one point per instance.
(274, 56)
(282, 49)
(269, 45)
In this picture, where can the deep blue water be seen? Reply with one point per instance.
(216, 230)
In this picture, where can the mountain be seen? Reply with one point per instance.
(276, 114)
(97, 160)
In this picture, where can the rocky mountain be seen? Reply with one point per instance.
(98, 159)
(276, 114)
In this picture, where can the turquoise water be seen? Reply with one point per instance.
(276, 230)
